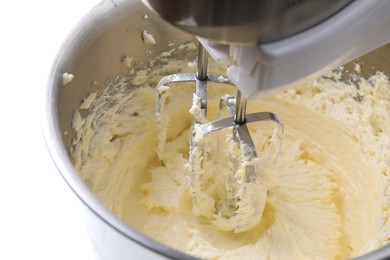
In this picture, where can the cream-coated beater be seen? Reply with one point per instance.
(244, 203)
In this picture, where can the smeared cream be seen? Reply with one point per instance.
(327, 196)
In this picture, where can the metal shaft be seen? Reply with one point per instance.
(202, 63)
(201, 75)
(239, 117)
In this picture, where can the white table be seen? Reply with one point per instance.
(40, 217)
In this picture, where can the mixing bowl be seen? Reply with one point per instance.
(93, 54)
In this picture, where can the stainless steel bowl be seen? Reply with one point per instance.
(93, 53)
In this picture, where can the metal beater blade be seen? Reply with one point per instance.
(245, 195)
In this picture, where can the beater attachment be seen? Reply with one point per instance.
(241, 206)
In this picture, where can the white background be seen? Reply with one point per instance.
(40, 218)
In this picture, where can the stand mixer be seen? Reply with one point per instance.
(266, 45)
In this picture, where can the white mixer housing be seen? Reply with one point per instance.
(257, 70)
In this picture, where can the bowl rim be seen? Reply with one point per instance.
(52, 136)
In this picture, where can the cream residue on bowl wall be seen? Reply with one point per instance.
(66, 78)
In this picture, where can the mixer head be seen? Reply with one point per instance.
(280, 43)
(245, 21)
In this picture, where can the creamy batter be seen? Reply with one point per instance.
(328, 194)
